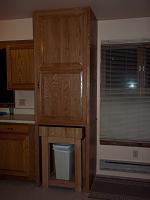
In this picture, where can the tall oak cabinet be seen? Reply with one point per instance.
(65, 43)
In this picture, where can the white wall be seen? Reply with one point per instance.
(123, 30)
(19, 29)
(128, 154)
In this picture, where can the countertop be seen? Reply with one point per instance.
(25, 119)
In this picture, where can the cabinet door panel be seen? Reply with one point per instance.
(60, 42)
(14, 154)
(61, 97)
(62, 38)
(20, 67)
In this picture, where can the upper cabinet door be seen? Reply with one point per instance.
(60, 37)
(20, 67)
(60, 41)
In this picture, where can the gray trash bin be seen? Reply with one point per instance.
(63, 161)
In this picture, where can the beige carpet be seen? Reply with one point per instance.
(120, 189)
(20, 190)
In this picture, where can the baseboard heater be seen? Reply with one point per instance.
(124, 166)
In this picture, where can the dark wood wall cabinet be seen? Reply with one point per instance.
(17, 151)
(20, 66)
(65, 61)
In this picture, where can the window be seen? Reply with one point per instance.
(125, 92)
(6, 96)
(125, 71)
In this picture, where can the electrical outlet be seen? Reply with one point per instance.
(22, 102)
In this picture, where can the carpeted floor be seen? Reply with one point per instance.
(19, 190)
(102, 189)
(120, 189)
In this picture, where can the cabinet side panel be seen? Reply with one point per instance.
(91, 129)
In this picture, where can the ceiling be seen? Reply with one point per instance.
(103, 9)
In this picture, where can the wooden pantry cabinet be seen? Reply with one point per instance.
(20, 67)
(65, 43)
(17, 150)
(60, 60)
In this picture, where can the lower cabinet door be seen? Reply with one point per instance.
(61, 97)
(14, 154)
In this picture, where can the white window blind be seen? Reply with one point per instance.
(125, 92)
(146, 65)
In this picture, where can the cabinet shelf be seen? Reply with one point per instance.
(60, 135)
(52, 181)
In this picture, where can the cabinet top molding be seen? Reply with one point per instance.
(63, 10)
(12, 43)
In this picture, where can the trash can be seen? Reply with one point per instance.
(63, 154)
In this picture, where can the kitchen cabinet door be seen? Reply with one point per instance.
(60, 37)
(17, 151)
(14, 153)
(61, 97)
(61, 61)
(20, 66)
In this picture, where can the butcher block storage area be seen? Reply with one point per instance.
(60, 66)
